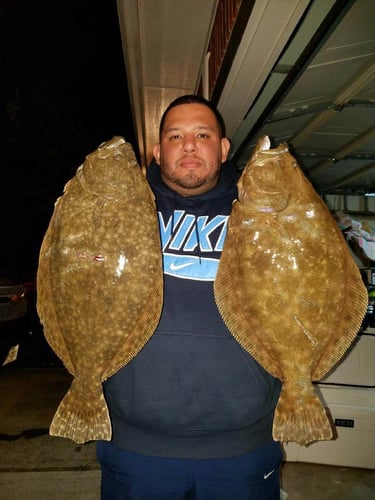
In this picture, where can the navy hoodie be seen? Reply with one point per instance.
(192, 391)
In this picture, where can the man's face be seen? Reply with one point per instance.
(191, 151)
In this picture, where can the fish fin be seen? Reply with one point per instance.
(353, 312)
(82, 419)
(301, 418)
(45, 307)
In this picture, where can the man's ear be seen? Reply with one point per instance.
(225, 147)
(156, 153)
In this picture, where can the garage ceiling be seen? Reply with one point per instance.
(302, 72)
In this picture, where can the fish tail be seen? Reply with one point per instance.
(301, 417)
(81, 419)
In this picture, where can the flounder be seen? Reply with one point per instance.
(99, 282)
(288, 288)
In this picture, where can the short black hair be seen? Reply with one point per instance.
(193, 99)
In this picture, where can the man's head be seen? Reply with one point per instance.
(192, 145)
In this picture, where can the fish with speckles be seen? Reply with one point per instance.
(99, 282)
(288, 288)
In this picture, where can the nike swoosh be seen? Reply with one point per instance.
(267, 474)
(176, 267)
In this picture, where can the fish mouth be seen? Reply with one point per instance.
(266, 201)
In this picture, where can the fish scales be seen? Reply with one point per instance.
(288, 288)
(99, 282)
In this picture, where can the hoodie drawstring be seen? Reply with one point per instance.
(196, 230)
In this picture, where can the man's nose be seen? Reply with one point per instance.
(189, 144)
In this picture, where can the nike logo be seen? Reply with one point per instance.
(190, 267)
(176, 267)
(267, 474)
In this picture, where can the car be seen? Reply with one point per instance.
(22, 340)
(14, 319)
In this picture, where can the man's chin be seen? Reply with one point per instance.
(188, 182)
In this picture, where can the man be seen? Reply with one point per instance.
(192, 413)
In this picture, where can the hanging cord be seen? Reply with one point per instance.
(195, 229)
(196, 204)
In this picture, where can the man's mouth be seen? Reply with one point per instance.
(190, 163)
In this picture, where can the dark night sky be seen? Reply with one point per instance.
(63, 92)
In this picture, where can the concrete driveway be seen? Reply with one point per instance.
(34, 465)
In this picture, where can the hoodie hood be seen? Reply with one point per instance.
(193, 228)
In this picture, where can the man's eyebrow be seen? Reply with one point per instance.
(171, 129)
(204, 127)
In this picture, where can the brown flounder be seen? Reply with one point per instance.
(99, 282)
(288, 288)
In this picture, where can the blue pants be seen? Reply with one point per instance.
(127, 475)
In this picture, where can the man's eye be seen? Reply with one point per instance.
(174, 137)
(203, 135)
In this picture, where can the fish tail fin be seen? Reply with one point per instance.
(301, 417)
(82, 419)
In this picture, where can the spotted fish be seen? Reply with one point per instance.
(99, 282)
(288, 288)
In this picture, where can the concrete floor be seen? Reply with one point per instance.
(302, 481)
(36, 466)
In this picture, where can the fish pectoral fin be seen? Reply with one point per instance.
(301, 417)
(82, 416)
